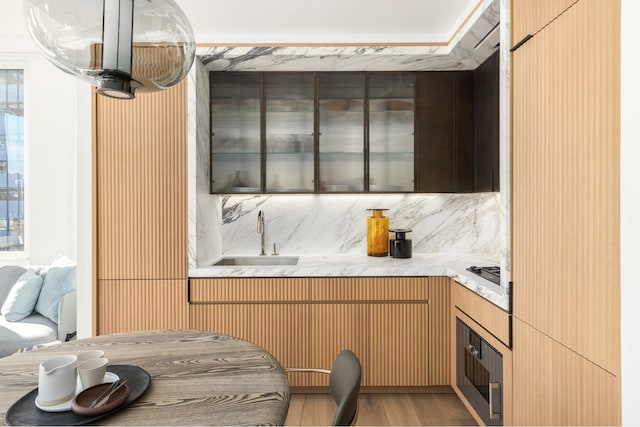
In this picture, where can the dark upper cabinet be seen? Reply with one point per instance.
(445, 132)
(354, 132)
(487, 130)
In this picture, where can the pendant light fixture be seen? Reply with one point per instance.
(120, 46)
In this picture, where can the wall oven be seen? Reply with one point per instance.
(479, 374)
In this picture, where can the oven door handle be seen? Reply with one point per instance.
(474, 351)
(495, 400)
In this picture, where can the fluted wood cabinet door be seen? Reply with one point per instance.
(566, 181)
(141, 185)
(282, 330)
(556, 386)
(228, 319)
(133, 305)
(398, 355)
(335, 327)
(565, 214)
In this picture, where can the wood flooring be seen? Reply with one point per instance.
(432, 409)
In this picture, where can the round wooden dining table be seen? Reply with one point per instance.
(196, 378)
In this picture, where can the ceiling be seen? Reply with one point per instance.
(325, 22)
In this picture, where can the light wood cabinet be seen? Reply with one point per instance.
(556, 386)
(281, 329)
(141, 186)
(566, 214)
(398, 334)
(335, 327)
(566, 181)
(132, 305)
(369, 288)
(140, 211)
(228, 319)
(396, 326)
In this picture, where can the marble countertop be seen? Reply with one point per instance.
(348, 265)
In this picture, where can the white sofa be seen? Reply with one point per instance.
(35, 329)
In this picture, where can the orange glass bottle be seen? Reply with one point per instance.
(378, 233)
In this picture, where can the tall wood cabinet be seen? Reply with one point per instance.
(140, 175)
(565, 215)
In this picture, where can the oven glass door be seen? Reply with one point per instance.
(479, 374)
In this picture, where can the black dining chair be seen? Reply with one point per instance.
(344, 385)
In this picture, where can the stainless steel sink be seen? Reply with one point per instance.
(258, 260)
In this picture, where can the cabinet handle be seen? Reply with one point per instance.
(495, 397)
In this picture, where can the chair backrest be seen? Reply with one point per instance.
(344, 384)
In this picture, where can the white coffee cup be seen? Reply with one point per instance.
(92, 371)
(91, 354)
(57, 380)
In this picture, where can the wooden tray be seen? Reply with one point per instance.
(24, 412)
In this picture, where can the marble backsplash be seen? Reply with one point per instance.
(337, 224)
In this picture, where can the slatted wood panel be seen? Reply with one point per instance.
(438, 331)
(130, 305)
(490, 316)
(282, 330)
(398, 349)
(141, 173)
(368, 288)
(335, 327)
(249, 289)
(555, 386)
(565, 181)
(507, 366)
(529, 16)
(229, 319)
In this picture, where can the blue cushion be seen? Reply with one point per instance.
(22, 297)
(59, 280)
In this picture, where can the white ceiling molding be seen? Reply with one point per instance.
(278, 22)
(465, 52)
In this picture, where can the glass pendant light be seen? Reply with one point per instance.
(120, 46)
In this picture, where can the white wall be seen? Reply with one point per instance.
(630, 211)
(54, 118)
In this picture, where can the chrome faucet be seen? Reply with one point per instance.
(261, 231)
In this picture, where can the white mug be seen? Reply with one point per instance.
(57, 380)
(91, 372)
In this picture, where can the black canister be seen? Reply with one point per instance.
(400, 247)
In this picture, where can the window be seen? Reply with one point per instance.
(11, 160)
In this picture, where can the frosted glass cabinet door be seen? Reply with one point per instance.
(341, 132)
(235, 132)
(391, 128)
(290, 100)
